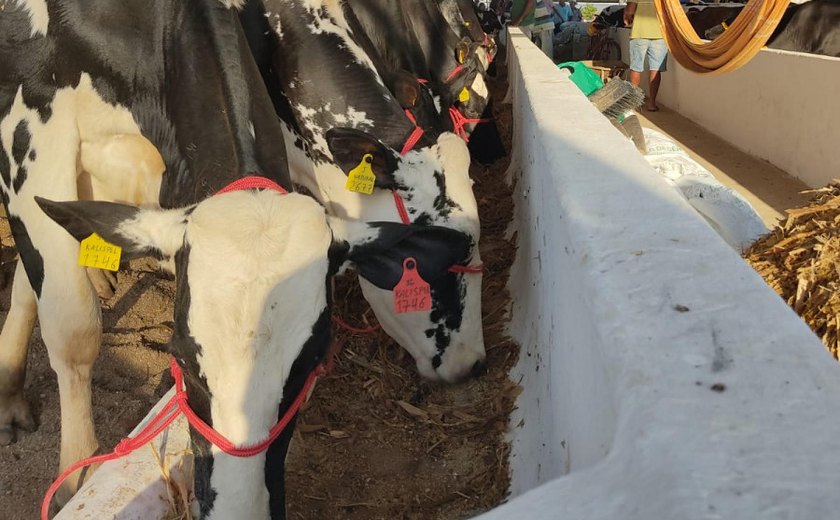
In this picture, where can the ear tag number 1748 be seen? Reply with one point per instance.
(412, 293)
(94, 251)
(361, 178)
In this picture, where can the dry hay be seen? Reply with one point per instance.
(800, 260)
(376, 441)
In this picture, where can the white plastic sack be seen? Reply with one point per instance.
(730, 214)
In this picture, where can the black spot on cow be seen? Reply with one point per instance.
(32, 260)
(20, 142)
(20, 178)
(5, 167)
(32, 155)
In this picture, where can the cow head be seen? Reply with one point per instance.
(252, 316)
(467, 89)
(446, 341)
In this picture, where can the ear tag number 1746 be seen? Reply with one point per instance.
(412, 293)
(361, 178)
(94, 251)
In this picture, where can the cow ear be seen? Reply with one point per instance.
(350, 147)
(139, 232)
(406, 88)
(377, 250)
(462, 50)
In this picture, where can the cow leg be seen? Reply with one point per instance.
(71, 325)
(14, 345)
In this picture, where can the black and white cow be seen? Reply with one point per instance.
(463, 19)
(252, 316)
(160, 104)
(390, 31)
(338, 110)
(86, 102)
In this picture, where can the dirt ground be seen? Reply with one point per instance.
(374, 441)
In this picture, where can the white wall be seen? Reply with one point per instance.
(781, 107)
(630, 310)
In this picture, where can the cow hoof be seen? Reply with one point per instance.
(14, 414)
(104, 282)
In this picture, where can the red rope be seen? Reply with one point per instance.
(252, 182)
(454, 73)
(369, 330)
(176, 406)
(459, 123)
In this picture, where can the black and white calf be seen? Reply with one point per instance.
(142, 102)
(252, 316)
(338, 112)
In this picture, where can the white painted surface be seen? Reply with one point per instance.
(629, 308)
(780, 107)
(132, 488)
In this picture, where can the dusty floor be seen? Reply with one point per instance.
(769, 189)
(374, 441)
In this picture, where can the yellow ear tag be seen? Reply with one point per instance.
(462, 56)
(466, 24)
(96, 252)
(464, 96)
(361, 178)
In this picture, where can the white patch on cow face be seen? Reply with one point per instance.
(479, 86)
(235, 4)
(39, 17)
(257, 275)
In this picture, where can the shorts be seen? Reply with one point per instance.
(656, 52)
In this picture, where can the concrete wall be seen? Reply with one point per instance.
(780, 107)
(662, 378)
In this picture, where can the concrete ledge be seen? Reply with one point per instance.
(780, 107)
(132, 488)
(662, 378)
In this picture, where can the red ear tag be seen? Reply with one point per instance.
(412, 293)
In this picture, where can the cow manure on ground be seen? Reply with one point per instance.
(374, 441)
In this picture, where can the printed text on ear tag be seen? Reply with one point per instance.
(412, 293)
(464, 96)
(94, 251)
(361, 178)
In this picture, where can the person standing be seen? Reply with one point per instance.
(646, 41)
(534, 18)
(576, 16)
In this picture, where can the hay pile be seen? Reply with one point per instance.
(800, 260)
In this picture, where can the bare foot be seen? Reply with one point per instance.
(651, 108)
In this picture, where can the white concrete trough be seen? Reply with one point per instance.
(662, 378)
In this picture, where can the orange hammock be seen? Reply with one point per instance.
(731, 50)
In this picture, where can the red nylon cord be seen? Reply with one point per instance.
(369, 330)
(252, 182)
(454, 73)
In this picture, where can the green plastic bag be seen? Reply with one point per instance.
(586, 79)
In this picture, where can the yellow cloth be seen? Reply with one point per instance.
(645, 22)
(735, 47)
